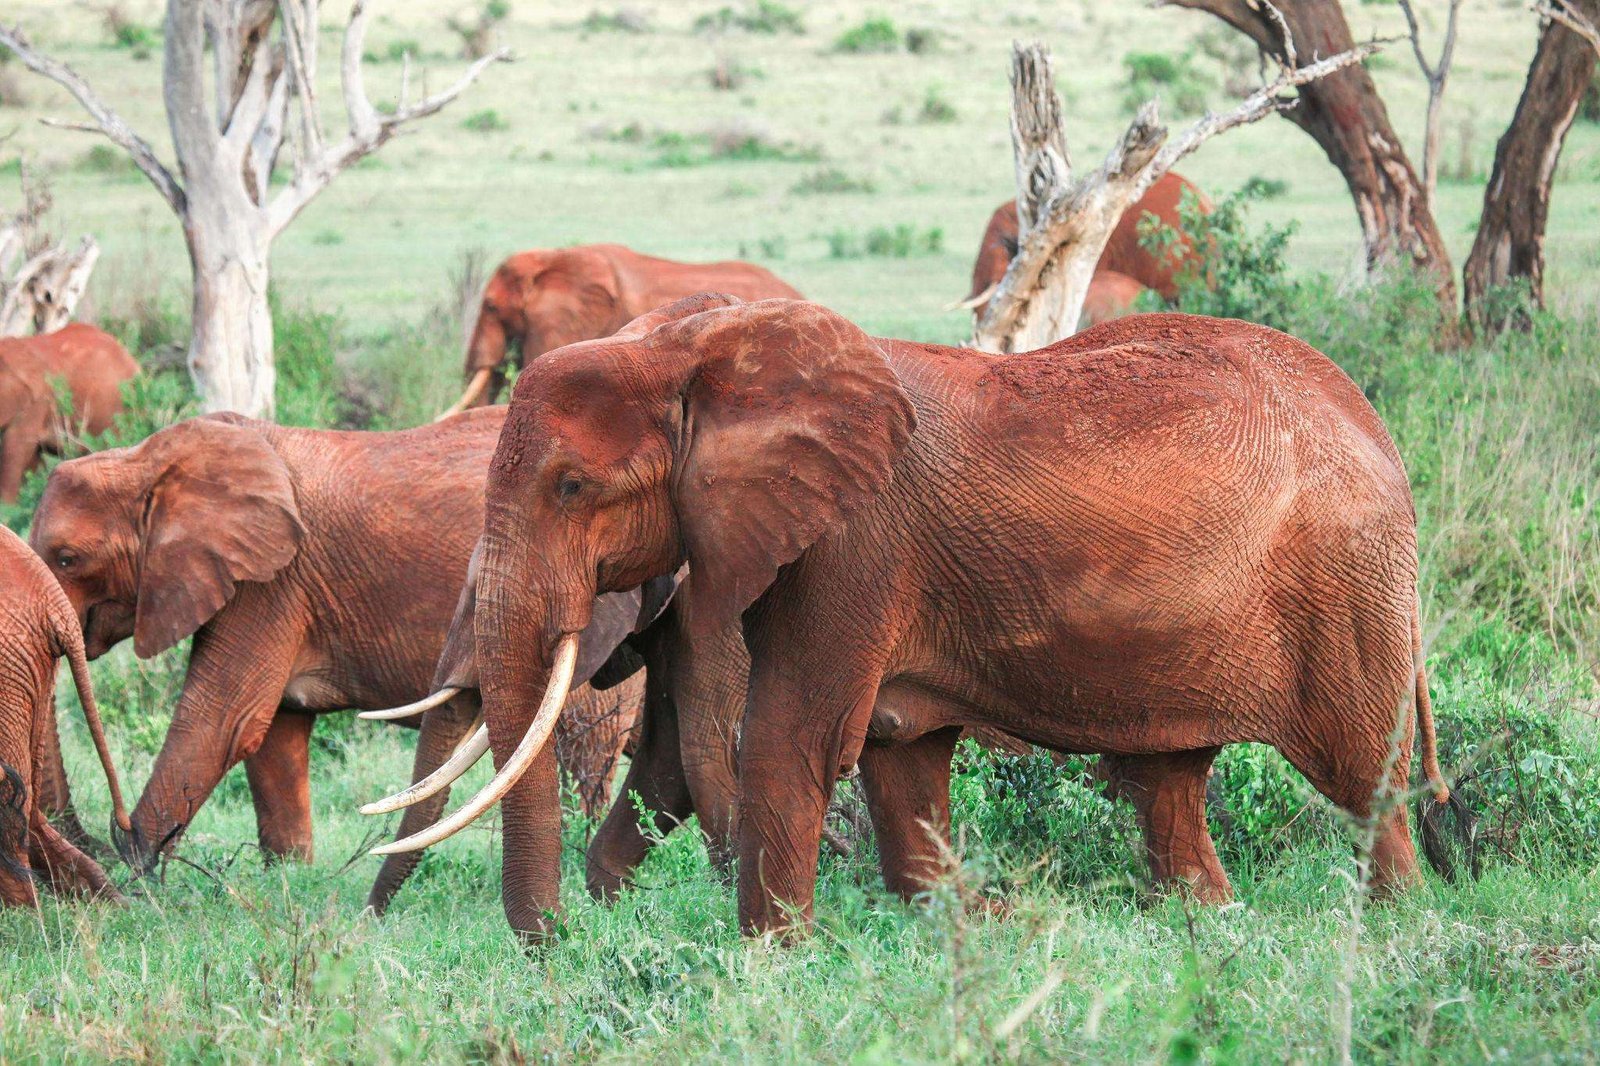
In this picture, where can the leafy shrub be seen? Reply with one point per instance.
(873, 35)
(486, 121)
(776, 247)
(922, 41)
(1175, 80)
(763, 16)
(108, 160)
(936, 109)
(901, 241)
(622, 20)
(140, 40)
(829, 181)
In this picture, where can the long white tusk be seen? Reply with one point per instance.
(544, 723)
(974, 300)
(479, 382)
(460, 761)
(444, 695)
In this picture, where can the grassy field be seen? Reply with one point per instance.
(605, 134)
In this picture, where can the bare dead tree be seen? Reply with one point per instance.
(263, 55)
(1063, 224)
(41, 281)
(1509, 245)
(1345, 115)
(1437, 74)
(1568, 14)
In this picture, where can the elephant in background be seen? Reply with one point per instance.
(38, 627)
(1125, 268)
(93, 367)
(1197, 533)
(317, 571)
(540, 300)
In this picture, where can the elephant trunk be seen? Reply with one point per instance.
(523, 625)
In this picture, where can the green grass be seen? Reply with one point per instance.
(1502, 442)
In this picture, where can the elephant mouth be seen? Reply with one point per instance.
(134, 847)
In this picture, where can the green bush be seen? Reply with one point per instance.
(829, 181)
(873, 35)
(1174, 80)
(763, 16)
(901, 241)
(486, 121)
(936, 109)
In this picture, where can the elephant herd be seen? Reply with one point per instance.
(798, 549)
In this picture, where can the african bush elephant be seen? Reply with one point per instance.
(540, 300)
(1123, 255)
(37, 627)
(1195, 532)
(93, 367)
(317, 571)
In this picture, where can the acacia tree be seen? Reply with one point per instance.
(41, 281)
(1063, 224)
(1345, 115)
(262, 96)
(1509, 246)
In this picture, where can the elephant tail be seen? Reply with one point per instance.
(1443, 806)
(13, 823)
(71, 639)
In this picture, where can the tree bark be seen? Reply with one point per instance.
(230, 350)
(1509, 246)
(1345, 115)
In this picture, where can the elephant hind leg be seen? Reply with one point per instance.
(1350, 772)
(1168, 793)
(908, 794)
(16, 877)
(657, 777)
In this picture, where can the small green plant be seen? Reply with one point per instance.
(486, 121)
(936, 110)
(763, 16)
(921, 41)
(108, 160)
(829, 181)
(901, 241)
(622, 20)
(873, 35)
(775, 247)
(401, 49)
(327, 238)
(1174, 80)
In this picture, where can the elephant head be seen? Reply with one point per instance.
(723, 435)
(152, 542)
(535, 302)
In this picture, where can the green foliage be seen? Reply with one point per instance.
(110, 161)
(763, 16)
(731, 142)
(486, 121)
(829, 181)
(136, 38)
(622, 20)
(776, 247)
(901, 241)
(936, 109)
(874, 35)
(1174, 80)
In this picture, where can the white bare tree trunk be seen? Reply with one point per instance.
(230, 70)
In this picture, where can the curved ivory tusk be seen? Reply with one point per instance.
(444, 695)
(460, 761)
(544, 723)
(479, 382)
(973, 301)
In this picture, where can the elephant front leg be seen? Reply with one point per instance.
(69, 870)
(1168, 792)
(908, 794)
(657, 777)
(279, 773)
(442, 730)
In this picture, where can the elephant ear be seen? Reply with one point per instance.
(221, 510)
(791, 420)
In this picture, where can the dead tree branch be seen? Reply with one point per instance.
(1436, 74)
(1064, 224)
(1563, 12)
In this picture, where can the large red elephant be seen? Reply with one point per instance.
(1125, 268)
(317, 571)
(37, 628)
(1160, 536)
(540, 300)
(93, 368)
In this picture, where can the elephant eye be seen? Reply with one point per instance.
(569, 487)
(65, 560)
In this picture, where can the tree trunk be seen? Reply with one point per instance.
(1510, 241)
(230, 351)
(1345, 115)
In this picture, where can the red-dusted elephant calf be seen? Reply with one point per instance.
(317, 571)
(1124, 255)
(539, 300)
(38, 627)
(92, 366)
(1163, 535)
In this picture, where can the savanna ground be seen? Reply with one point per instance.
(865, 178)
